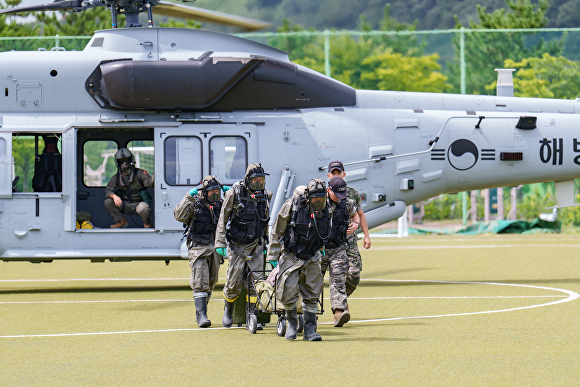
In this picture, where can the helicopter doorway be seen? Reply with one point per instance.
(185, 155)
(96, 150)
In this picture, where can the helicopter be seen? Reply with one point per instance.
(198, 102)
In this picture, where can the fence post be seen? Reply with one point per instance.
(462, 67)
(57, 41)
(327, 53)
(462, 58)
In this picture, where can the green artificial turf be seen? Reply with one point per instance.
(430, 310)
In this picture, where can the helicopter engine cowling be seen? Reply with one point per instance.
(213, 84)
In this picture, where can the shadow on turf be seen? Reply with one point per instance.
(103, 289)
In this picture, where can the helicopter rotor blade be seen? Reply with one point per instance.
(54, 6)
(166, 8)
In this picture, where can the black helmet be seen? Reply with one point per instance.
(124, 153)
(316, 194)
(255, 179)
(210, 183)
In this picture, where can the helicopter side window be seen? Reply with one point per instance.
(228, 157)
(98, 162)
(37, 162)
(183, 160)
(144, 155)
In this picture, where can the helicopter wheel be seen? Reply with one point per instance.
(281, 326)
(252, 323)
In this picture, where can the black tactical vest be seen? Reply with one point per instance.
(130, 187)
(306, 232)
(202, 229)
(340, 222)
(250, 218)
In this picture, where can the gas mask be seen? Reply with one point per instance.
(213, 195)
(257, 183)
(211, 189)
(255, 179)
(316, 194)
(317, 203)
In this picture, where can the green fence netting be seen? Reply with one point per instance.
(493, 227)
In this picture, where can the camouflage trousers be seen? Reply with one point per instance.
(142, 209)
(337, 262)
(205, 266)
(299, 277)
(236, 273)
(354, 264)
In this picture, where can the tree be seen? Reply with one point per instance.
(374, 61)
(485, 51)
(545, 77)
(394, 71)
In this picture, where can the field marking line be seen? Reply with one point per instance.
(436, 247)
(221, 299)
(571, 296)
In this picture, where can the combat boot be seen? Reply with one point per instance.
(310, 327)
(340, 317)
(292, 328)
(228, 318)
(201, 312)
(147, 224)
(121, 224)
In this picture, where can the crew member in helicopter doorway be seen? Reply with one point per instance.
(242, 233)
(345, 220)
(199, 212)
(127, 193)
(336, 169)
(300, 231)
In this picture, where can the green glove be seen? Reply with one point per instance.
(193, 192)
(323, 253)
(222, 251)
(273, 263)
(225, 188)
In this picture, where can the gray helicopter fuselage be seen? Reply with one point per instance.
(398, 148)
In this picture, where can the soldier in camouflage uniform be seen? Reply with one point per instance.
(336, 168)
(345, 220)
(126, 192)
(301, 228)
(243, 227)
(200, 213)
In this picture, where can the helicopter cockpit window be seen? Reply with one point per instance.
(99, 162)
(98, 42)
(183, 160)
(228, 157)
(37, 162)
(143, 154)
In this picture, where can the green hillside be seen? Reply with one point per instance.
(344, 14)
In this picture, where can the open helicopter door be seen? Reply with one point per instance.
(6, 165)
(69, 176)
(186, 154)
